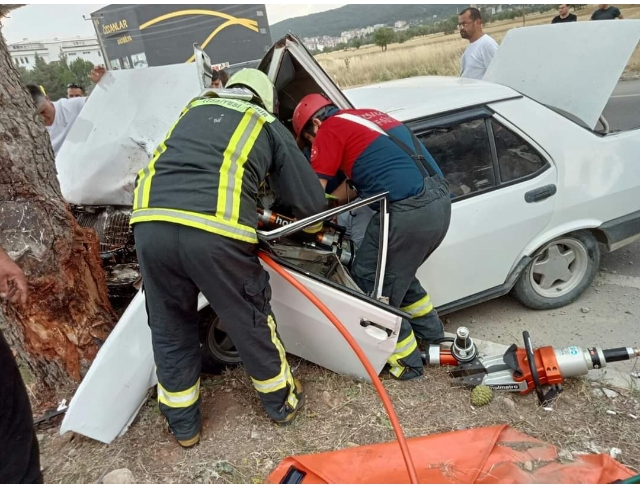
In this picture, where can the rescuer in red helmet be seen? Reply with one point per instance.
(378, 153)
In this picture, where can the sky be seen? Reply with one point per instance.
(36, 22)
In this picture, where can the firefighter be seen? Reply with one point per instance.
(378, 154)
(194, 220)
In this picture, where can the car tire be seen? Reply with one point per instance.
(559, 272)
(216, 349)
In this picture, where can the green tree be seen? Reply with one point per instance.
(357, 43)
(55, 76)
(81, 69)
(450, 25)
(383, 37)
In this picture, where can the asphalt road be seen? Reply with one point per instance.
(623, 110)
(606, 315)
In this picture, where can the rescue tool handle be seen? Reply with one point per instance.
(528, 347)
(619, 354)
(305, 222)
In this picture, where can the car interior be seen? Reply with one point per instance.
(329, 258)
(292, 84)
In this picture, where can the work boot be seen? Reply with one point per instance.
(289, 412)
(190, 443)
(410, 373)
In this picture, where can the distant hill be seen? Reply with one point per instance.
(333, 22)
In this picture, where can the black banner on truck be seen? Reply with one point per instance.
(137, 36)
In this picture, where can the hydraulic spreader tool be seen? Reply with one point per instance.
(521, 369)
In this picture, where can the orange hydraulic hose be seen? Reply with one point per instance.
(386, 400)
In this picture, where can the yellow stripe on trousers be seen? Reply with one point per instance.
(285, 377)
(403, 349)
(181, 399)
(421, 307)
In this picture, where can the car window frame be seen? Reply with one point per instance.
(535, 147)
(267, 236)
(447, 120)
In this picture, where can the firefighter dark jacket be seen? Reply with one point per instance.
(207, 171)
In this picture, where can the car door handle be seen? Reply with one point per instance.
(540, 194)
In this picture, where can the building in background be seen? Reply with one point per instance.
(24, 52)
(140, 35)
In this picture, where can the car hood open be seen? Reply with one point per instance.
(571, 67)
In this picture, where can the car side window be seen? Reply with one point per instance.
(516, 158)
(464, 155)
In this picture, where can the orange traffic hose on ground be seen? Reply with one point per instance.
(386, 401)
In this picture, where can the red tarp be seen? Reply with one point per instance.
(491, 455)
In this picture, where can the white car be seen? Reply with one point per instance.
(537, 180)
(537, 186)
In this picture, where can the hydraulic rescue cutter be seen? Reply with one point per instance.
(522, 369)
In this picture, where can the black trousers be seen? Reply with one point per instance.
(19, 452)
(176, 263)
(417, 227)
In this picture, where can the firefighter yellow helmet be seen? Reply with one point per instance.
(259, 83)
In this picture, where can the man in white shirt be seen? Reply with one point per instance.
(482, 48)
(58, 116)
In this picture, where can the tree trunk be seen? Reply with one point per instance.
(68, 314)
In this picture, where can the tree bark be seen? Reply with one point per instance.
(68, 314)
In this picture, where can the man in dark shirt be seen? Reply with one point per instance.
(607, 12)
(564, 15)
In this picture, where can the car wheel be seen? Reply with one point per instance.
(217, 349)
(560, 272)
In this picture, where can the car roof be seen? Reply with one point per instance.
(411, 98)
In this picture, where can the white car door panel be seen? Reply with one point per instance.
(307, 333)
(598, 175)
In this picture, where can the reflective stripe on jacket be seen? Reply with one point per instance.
(207, 171)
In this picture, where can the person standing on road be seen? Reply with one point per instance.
(19, 451)
(607, 12)
(59, 116)
(378, 153)
(564, 15)
(194, 220)
(482, 47)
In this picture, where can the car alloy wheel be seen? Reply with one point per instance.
(219, 343)
(217, 349)
(559, 268)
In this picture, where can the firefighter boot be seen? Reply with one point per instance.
(190, 443)
(287, 410)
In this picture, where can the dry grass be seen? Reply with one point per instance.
(240, 445)
(432, 55)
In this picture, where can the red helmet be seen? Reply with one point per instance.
(306, 109)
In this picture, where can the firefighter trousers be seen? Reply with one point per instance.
(176, 263)
(417, 226)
